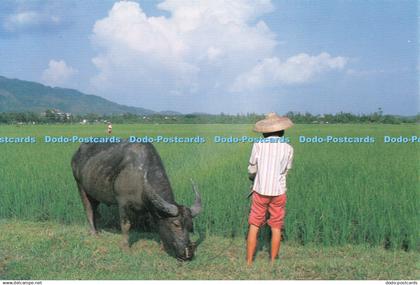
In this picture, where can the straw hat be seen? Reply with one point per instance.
(272, 123)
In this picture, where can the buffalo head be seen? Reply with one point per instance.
(176, 224)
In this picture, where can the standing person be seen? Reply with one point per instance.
(109, 128)
(268, 166)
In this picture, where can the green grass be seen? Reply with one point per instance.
(48, 250)
(338, 194)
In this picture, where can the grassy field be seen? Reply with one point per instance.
(47, 250)
(341, 195)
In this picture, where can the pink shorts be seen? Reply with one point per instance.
(276, 206)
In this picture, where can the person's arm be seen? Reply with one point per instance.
(252, 164)
(290, 161)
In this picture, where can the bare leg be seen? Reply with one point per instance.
(90, 206)
(251, 244)
(275, 243)
(125, 226)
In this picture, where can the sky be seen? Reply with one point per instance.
(216, 56)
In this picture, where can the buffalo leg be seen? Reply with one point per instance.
(125, 225)
(90, 206)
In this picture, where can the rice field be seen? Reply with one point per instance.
(338, 193)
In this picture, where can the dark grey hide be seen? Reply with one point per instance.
(132, 176)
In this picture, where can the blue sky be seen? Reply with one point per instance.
(220, 56)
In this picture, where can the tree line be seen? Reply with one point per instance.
(54, 116)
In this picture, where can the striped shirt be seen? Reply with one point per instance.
(270, 161)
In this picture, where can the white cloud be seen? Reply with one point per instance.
(180, 52)
(29, 20)
(202, 47)
(21, 19)
(297, 69)
(58, 73)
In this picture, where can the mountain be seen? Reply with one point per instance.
(21, 96)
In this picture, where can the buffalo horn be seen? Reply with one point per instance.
(196, 208)
(158, 201)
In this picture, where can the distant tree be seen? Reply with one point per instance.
(388, 119)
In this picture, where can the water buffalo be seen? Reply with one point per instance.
(132, 176)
